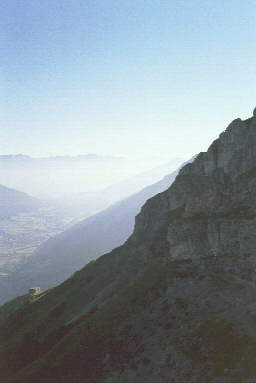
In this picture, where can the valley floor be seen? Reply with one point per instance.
(20, 235)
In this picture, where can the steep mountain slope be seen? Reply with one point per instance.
(175, 303)
(13, 202)
(59, 257)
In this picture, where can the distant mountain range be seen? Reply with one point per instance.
(13, 202)
(78, 178)
(12, 158)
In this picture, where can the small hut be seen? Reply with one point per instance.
(35, 291)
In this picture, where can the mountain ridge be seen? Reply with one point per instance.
(175, 303)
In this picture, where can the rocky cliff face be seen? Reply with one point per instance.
(175, 303)
(210, 209)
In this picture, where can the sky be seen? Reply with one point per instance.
(144, 78)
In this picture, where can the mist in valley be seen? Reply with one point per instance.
(43, 197)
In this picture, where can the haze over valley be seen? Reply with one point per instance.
(26, 222)
(59, 177)
(56, 259)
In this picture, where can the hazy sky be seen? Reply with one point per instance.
(158, 78)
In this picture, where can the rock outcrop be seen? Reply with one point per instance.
(175, 303)
(211, 208)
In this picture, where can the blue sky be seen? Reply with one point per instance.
(142, 78)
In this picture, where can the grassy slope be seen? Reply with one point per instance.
(175, 299)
